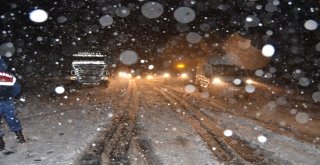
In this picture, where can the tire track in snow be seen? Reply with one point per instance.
(113, 145)
(225, 148)
(273, 126)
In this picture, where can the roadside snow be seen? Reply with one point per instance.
(56, 131)
(279, 146)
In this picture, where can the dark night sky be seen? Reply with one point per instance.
(294, 44)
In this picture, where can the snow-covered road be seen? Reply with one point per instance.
(159, 122)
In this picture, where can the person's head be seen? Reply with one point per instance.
(3, 65)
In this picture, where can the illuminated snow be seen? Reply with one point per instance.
(249, 19)
(129, 57)
(184, 15)
(7, 49)
(123, 12)
(228, 133)
(259, 72)
(106, 20)
(303, 81)
(193, 37)
(150, 67)
(252, 21)
(59, 89)
(282, 100)
(268, 50)
(262, 139)
(62, 19)
(318, 47)
(270, 7)
(311, 25)
(250, 88)
(189, 88)
(302, 117)
(38, 15)
(316, 96)
(152, 10)
(237, 81)
(293, 111)
(205, 94)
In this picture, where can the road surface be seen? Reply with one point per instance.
(163, 121)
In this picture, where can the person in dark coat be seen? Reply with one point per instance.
(9, 88)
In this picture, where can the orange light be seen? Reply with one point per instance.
(181, 66)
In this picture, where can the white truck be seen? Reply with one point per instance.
(89, 68)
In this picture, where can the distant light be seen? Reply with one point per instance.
(184, 75)
(268, 50)
(216, 81)
(249, 81)
(124, 75)
(149, 77)
(166, 75)
(38, 15)
(138, 77)
(181, 66)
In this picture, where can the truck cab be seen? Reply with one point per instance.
(89, 68)
(221, 79)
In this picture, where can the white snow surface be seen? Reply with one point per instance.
(55, 133)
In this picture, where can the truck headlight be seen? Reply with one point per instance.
(249, 81)
(184, 75)
(166, 75)
(216, 81)
(73, 77)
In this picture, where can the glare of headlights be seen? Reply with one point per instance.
(124, 75)
(166, 75)
(138, 77)
(149, 77)
(216, 81)
(184, 75)
(249, 81)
